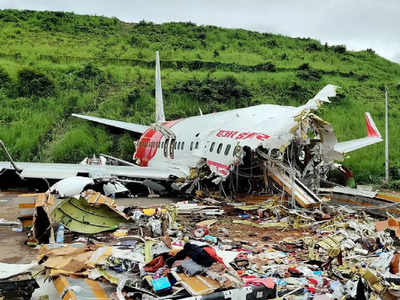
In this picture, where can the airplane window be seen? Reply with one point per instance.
(166, 148)
(175, 143)
(182, 145)
(171, 149)
(227, 149)
(197, 145)
(191, 145)
(219, 148)
(212, 146)
(179, 145)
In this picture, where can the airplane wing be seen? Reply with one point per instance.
(373, 137)
(119, 124)
(60, 171)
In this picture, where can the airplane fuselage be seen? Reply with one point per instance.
(215, 136)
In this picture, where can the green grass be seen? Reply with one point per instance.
(104, 67)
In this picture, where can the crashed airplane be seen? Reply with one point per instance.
(261, 149)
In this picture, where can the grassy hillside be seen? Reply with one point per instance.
(55, 63)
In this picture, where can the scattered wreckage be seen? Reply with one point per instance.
(259, 248)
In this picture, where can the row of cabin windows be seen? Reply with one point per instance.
(177, 145)
(227, 148)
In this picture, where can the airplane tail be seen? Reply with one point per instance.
(373, 137)
(160, 117)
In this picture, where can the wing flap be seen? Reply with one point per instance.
(119, 124)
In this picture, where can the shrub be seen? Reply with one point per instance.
(304, 66)
(272, 44)
(88, 77)
(5, 81)
(311, 75)
(268, 66)
(133, 96)
(392, 185)
(218, 90)
(339, 49)
(313, 47)
(32, 83)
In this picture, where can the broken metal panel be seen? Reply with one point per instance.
(79, 216)
(96, 199)
(112, 188)
(304, 197)
(42, 231)
(10, 270)
(349, 191)
(77, 288)
(248, 293)
(322, 96)
(197, 285)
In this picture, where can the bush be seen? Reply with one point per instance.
(88, 77)
(91, 72)
(32, 83)
(339, 49)
(272, 44)
(311, 75)
(304, 66)
(133, 96)
(5, 81)
(313, 47)
(218, 90)
(306, 73)
(392, 185)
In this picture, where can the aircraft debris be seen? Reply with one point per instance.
(16, 281)
(263, 248)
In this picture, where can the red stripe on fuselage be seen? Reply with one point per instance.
(221, 168)
(149, 142)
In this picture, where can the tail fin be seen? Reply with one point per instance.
(160, 117)
(372, 130)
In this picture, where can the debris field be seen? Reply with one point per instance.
(261, 247)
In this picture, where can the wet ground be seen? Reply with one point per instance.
(12, 247)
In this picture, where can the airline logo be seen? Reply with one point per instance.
(238, 135)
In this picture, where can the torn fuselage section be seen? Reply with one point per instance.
(302, 155)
